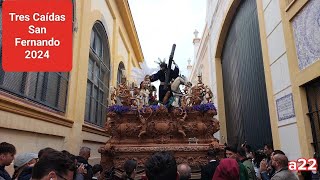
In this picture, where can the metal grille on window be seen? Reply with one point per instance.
(98, 78)
(49, 89)
(313, 97)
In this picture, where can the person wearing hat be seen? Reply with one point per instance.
(23, 165)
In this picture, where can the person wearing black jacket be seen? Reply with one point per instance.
(208, 170)
(83, 158)
(7, 152)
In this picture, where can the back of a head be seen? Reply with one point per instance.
(161, 166)
(84, 152)
(71, 156)
(84, 149)
(232, 148)
(242, 152)
(248, 148)
(269, 146)
(7, 148)
(228, 169)
(184, 171)
(278, 152)
(45, 151)
(281, 159)
(259, 156)
(212, 154)
(56, 162)
(129, 166)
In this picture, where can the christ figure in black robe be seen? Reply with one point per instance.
(161, 75)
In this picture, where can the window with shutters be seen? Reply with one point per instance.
(45, 88)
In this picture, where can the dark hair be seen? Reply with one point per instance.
(55, 161)
(278, 152)
(258, 157)
(129, 166)
(212, 153)
(71, 156)
(242, 152)
(164, 65)
(248, 147)
(97, 168)
(7, 148)
(45, 151)
(269, 146)
(232, 149)
(160, 166)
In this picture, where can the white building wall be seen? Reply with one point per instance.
(281, 83)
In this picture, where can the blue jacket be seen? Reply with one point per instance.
(4, 174)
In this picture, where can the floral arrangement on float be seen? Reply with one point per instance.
(120, 109)
(129, 97)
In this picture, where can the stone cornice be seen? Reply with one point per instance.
(27, 108)
(128, 22)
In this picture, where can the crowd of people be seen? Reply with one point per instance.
(48, 164)
(235, 163)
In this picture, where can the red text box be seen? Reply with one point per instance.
(37, 35)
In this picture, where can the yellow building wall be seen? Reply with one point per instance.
(299, 77)
(31, 128)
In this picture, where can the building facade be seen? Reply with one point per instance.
(263, 58)
(68, 110)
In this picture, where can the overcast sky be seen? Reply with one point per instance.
(161, 23)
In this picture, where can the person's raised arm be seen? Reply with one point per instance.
(155, 77)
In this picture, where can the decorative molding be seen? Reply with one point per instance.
(111, 10)
(94, 129)
(180, 148)
(16, 105)
(289, 4)
(285, 107)
(128, 22)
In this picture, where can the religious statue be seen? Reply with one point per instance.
(161, 75)
(114, 95)
(144, 93)
(124, 92)
(208, 95)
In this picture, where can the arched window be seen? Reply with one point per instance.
(98, 76)
(121, 69)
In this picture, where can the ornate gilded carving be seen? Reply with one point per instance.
(160, 126)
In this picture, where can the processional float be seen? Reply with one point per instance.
(138, 125)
